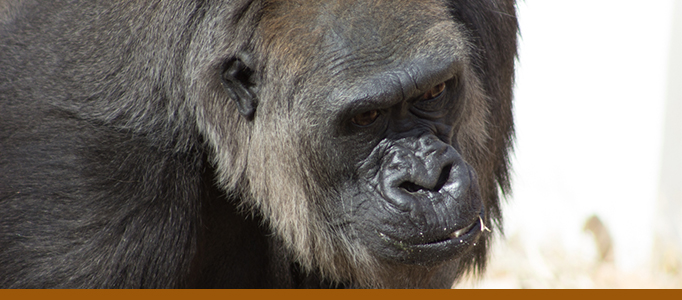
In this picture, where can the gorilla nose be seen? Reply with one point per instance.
(416, 189)
(424, 173)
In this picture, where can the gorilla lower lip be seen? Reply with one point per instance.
(461, 234)
(437, 250)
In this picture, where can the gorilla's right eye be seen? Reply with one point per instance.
(366, 118)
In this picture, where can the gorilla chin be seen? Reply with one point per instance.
(252, 143)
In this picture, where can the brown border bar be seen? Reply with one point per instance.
(338, 294)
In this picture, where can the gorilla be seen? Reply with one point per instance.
(252, 143)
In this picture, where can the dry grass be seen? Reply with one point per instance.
(514, 266)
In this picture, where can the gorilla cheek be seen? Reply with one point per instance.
(427, 206)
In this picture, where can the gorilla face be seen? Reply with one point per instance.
(409, 193)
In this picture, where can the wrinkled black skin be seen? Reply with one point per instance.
(88, 200)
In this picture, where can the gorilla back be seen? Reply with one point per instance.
(261, 143)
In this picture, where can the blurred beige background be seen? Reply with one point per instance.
(597, 192)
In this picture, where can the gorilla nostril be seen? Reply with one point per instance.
(442, 179)
(411, 187)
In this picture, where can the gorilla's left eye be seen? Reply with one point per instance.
(430, 101)
(434, 92)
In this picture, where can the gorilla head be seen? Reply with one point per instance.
(361, 127)
(364, 140)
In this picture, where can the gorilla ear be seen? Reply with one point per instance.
(241, 84)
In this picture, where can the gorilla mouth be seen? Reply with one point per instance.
(438, 247)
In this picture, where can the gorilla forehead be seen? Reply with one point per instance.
(378, 28)
(398, 47)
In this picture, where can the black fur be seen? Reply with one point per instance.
(129, 138)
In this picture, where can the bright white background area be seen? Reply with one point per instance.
(593, 78)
